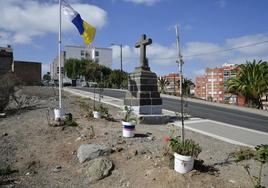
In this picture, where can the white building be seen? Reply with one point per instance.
(102, 56)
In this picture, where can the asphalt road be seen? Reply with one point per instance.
(221, 114)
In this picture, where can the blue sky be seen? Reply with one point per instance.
(30, 26)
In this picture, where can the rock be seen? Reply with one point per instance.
(193, 173)
(152, 138)
(121, 142)
(91, 151)
(2, 115)
(4, 134)
(30, 173)
(133, 152)
(118, 149)
(8, 186)
(99, 169)
(231, 181)
(57, 169)
(142, 151)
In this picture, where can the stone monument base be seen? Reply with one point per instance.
(147, 110)
(153, 119)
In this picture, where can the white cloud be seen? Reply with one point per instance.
(247, 40)
(196, 54)
(198, 50)
(147, 2)
(156, 53)
(29, 18)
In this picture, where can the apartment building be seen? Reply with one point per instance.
(213, 85)
(102, 56)
(174, 83)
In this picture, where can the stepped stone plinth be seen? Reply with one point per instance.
(142, 94)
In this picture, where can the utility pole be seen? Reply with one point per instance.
(180, 63)
(174, 81)
(121, 58)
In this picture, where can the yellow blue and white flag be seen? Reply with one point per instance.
(86, 30)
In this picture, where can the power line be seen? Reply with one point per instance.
(229, 49)
(208, 53)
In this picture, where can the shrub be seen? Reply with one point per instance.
(69, 121)
(104, 113)
(186, 148)
(260, 154)
(128, 116)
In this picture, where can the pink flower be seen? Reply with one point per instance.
(167, 138)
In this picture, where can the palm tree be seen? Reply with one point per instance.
(251, 82)
(186, 86)
(162, 82)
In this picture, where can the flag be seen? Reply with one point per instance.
(86, 30)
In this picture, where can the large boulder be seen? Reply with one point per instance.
(99, 169)
(88, 152)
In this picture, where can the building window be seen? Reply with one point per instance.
(226, 73)
(62, 70)
(97, 60)
(96, 53)
(233, 72)
(82, 53)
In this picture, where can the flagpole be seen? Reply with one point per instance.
(59, 43)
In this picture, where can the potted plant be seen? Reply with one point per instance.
(58, 114)
(184, 153)
(96, 113)
(128, 123)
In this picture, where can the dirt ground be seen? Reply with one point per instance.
(32, 150)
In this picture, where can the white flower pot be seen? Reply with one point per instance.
(58, 114)
(96, 114)
(128, 129)
(183, 164)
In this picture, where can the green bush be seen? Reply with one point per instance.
(186, 148)
(260, 154)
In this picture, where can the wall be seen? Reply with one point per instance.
(29, 73)
(6, 60)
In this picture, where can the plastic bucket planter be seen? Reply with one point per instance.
(128, 129)
(183, 164)
(58, 114)
(96, 114)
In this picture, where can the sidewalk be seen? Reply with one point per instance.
(221, 131)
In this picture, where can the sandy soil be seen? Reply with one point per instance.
(33, 150)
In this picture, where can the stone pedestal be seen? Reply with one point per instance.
(142, 94)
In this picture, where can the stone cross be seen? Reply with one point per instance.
(142, 45)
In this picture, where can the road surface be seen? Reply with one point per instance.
(206, 111)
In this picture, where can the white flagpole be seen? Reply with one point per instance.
(60, 81)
